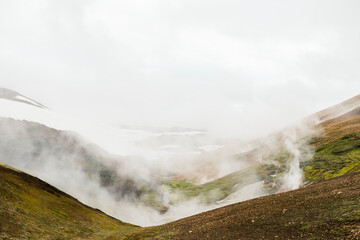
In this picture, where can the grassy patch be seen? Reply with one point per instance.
(60, 212)
(215, 190)
(334, 159)
(176, 184)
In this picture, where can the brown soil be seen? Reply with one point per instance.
(327, 210)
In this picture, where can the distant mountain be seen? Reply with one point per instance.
(15, 96)
(337, 110)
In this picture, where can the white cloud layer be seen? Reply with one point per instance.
(223, 65)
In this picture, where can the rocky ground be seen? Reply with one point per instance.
(326, 210)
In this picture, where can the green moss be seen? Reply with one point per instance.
(176, 184)
(346, 145)
(212, 191)
(305, 226)
(334, 159)
(60, 212)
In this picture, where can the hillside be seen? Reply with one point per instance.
(330, 149)
(336, 110)
(15, 96)
(327, 148)
(33, 209)
(326, 210)
(41, 150)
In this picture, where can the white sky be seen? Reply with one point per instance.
(239, 67)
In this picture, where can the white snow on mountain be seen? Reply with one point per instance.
(28, 100)
(15, 96)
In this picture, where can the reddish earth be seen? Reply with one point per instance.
(327, 210)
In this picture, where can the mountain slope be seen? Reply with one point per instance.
(330, 149)
(33, 209)
(326, 210)
(15, 96)
(337, 110)
(42, 151)
(337, 148)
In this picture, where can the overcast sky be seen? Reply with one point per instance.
(239, 67)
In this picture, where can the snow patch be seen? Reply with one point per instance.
(189, 133)
(28, 100)
(209, 148)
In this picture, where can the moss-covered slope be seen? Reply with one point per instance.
(32, 209)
